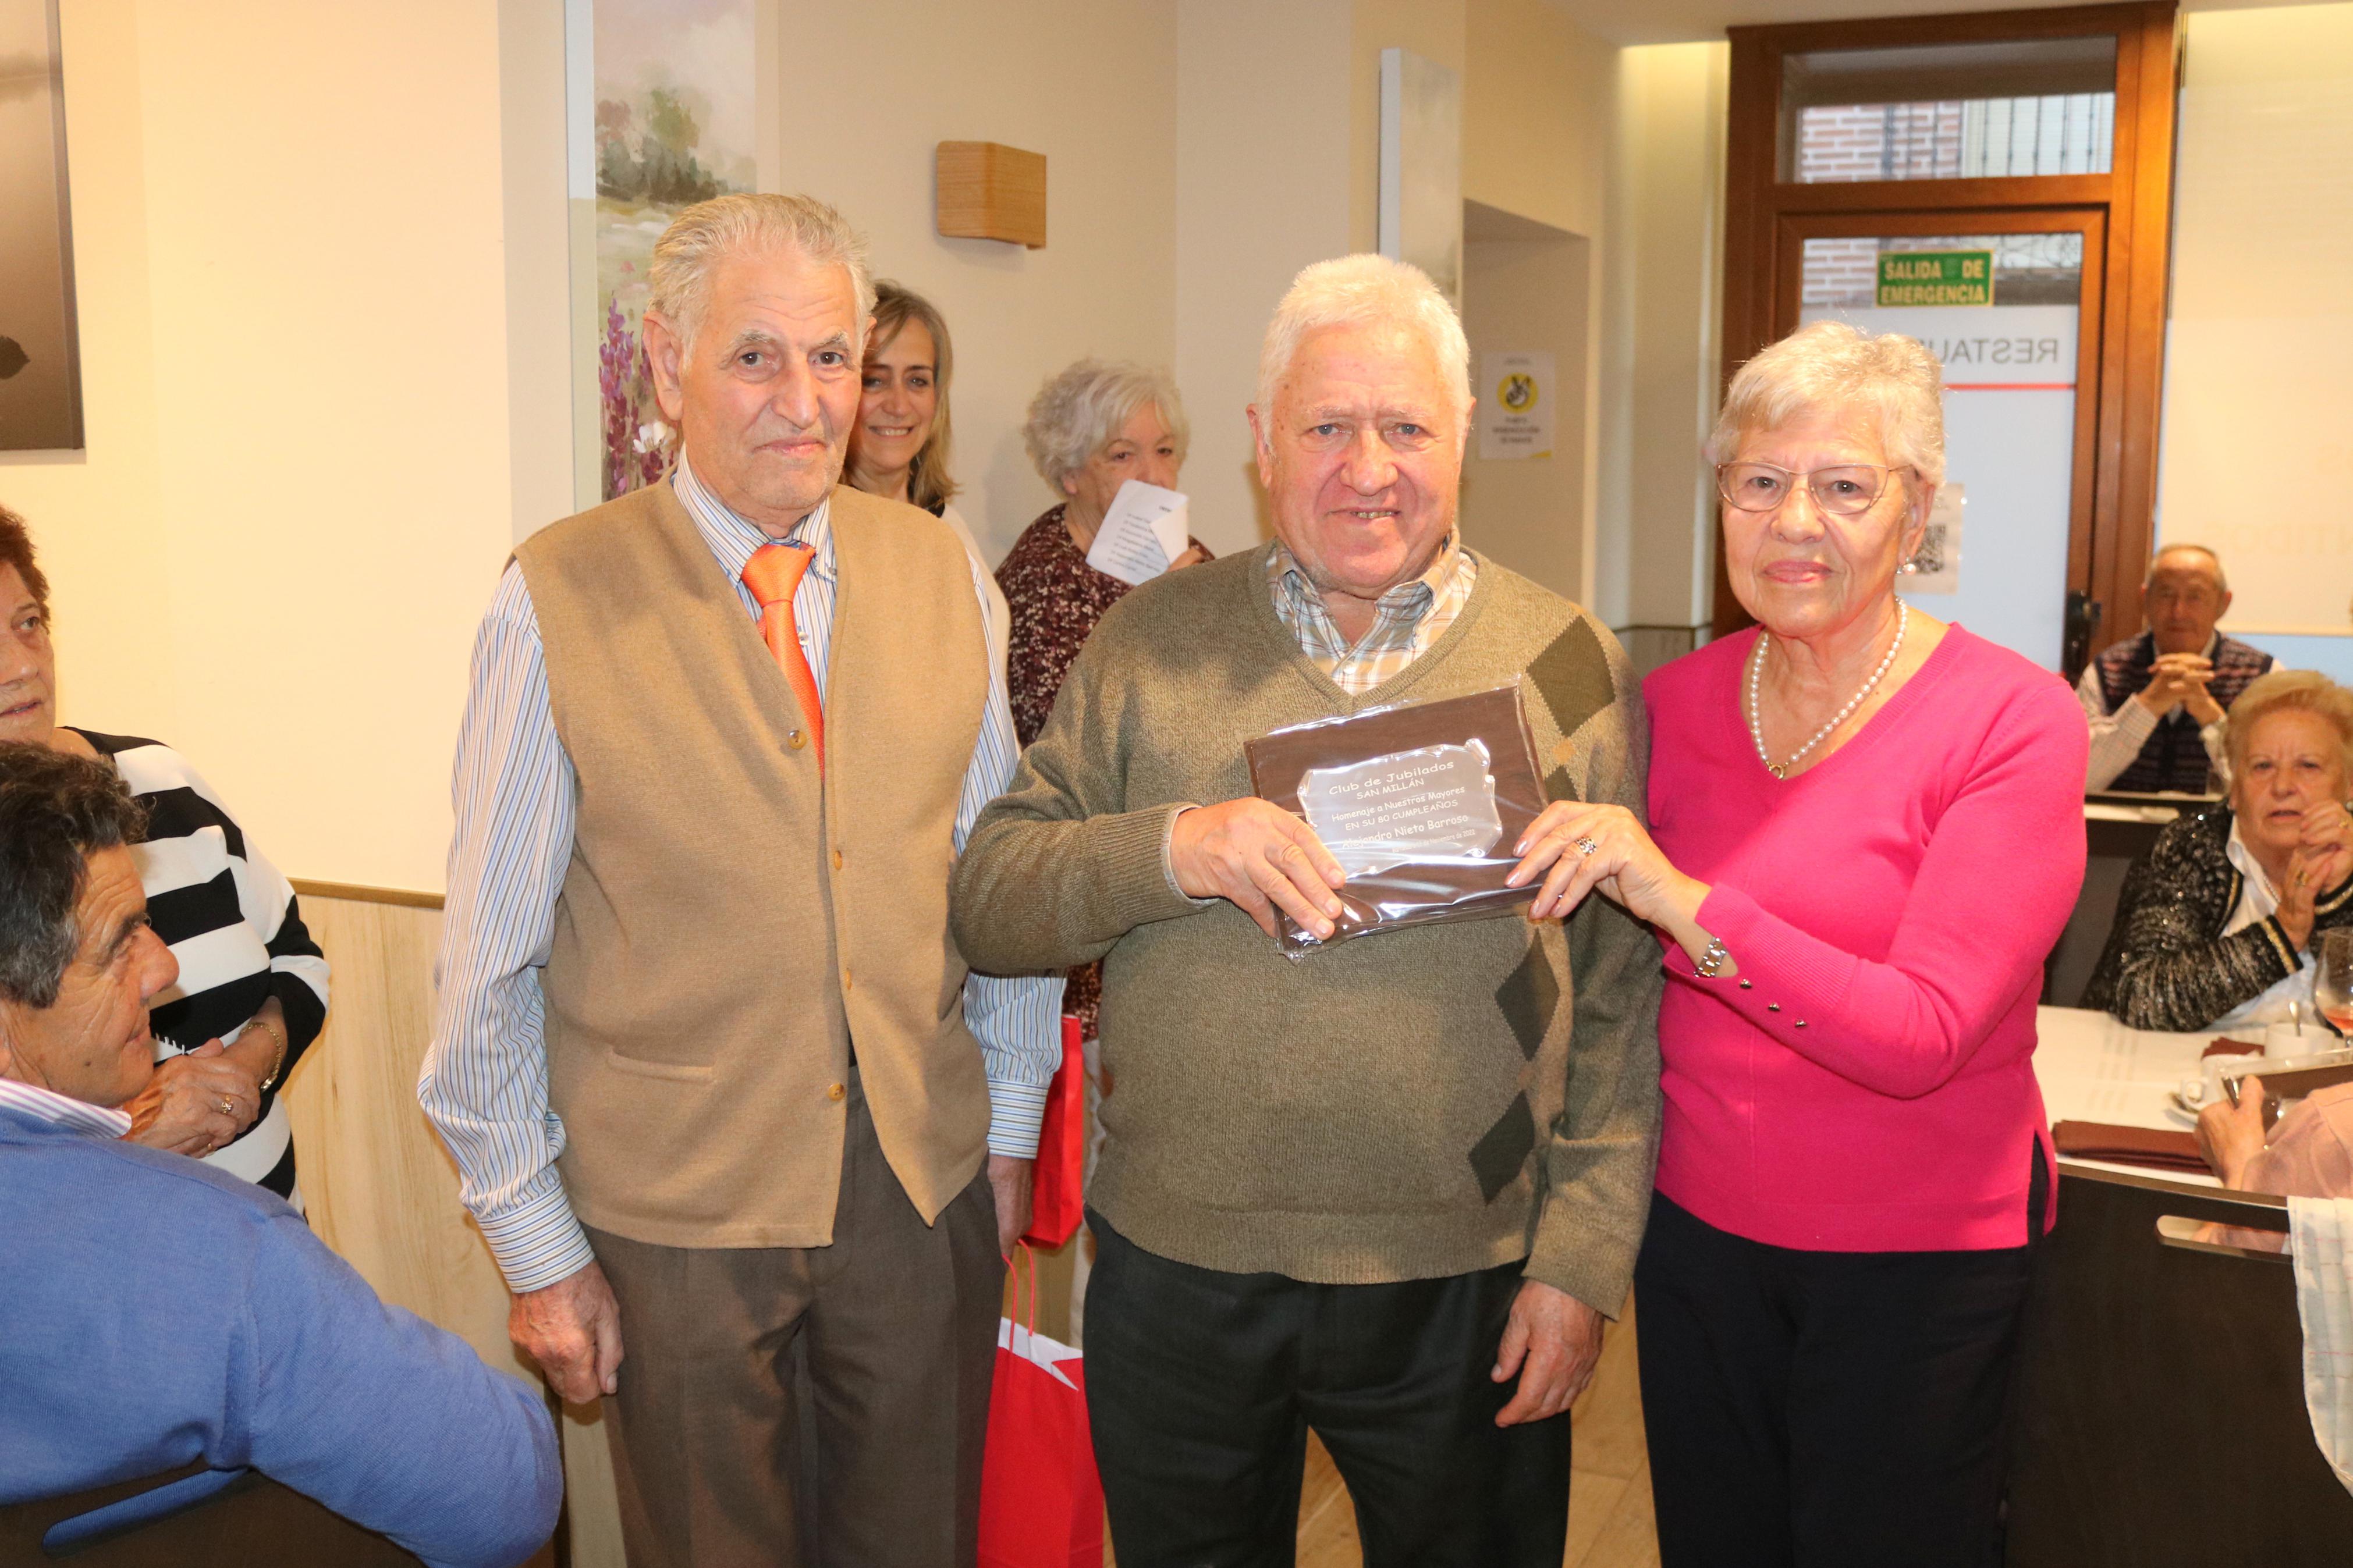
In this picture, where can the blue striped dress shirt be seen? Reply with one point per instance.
(63, 1111)
(485, 1079)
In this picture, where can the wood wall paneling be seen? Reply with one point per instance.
(379, 1184)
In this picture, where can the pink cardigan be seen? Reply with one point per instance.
(2310, 1153)
(1867, 1083)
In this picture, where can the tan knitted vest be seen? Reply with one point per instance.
(732, 920)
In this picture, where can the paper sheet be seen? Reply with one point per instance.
(1145, 530)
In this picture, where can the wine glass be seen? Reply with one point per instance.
(2332, 980)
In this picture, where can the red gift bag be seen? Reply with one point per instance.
(1041, 1502)
(1056, 1194)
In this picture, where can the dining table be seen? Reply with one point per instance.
(2093, 1068)
(2162, 1355)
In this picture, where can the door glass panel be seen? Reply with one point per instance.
(1995, 560)
(1948, 111)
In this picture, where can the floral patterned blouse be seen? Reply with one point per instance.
(1056, 599)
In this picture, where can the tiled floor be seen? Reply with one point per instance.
(1610, 1521)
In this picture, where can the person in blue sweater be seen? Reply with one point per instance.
(154, 1312)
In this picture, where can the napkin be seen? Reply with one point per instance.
(2157, 1148)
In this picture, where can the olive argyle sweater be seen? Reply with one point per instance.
(1411, 1104)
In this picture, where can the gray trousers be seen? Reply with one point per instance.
(897, 1323)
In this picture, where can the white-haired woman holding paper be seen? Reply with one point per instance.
(1090, 430)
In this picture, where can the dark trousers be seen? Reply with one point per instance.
(898, 1321)
(1202, 1387)
(1824, 1408)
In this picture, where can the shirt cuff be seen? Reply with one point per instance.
(1016, 1112)
(538, 1240)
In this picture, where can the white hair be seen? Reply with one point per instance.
(1361, 289)
(1830, 368)
(2221, 583)
(709, 232)
(1079, 412)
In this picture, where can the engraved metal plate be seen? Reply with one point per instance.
(1431, 806)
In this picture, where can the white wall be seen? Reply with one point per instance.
(1261, 159)
(1277, 167)
(1537, 135)
(1661, 351)
(2258, 432)
(296, 489)
(1092, 87)
(1526, 288)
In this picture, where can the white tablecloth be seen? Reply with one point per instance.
(2093, 1068)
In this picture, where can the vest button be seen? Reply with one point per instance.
(796, 740)
(833, 1092)
(845, 980)
(836, 860)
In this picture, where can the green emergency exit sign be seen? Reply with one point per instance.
(1935, 277)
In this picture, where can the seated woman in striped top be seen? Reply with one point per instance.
(252, 991)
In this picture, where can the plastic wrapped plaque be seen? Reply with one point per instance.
(1420, 805)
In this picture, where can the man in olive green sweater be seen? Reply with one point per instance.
(1388, 1191)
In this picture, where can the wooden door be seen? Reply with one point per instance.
(2116, 201)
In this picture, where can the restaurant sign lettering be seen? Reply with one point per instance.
(1935, 278)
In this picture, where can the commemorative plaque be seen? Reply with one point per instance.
(1421, 804)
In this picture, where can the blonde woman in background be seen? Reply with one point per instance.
(2217, 924)
(898, 448)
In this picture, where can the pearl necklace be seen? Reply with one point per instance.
(1757, 669)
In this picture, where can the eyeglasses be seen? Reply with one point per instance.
(1842, 490)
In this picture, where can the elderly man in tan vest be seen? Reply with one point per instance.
(712, 1068)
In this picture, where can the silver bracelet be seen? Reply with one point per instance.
(1711, 963)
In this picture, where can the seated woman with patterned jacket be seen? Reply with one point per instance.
(2216, 924)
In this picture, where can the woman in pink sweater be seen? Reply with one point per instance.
(1866, 831)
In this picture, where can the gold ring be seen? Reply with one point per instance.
(228, 1106)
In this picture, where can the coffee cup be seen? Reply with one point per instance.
(2205, 1090)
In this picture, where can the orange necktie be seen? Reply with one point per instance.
(772, 573)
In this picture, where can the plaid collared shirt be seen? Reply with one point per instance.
(1407, 621)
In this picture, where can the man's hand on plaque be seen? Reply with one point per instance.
(1259, 857)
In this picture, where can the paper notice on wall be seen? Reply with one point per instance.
(1145, 530)
(1515, 403)
(1935, 566)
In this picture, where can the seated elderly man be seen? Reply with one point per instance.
(1388, 1192)
(154, 1312)
(2155, 702)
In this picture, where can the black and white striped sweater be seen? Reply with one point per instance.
(234, 924)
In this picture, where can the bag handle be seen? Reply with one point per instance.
(1023, 1253)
